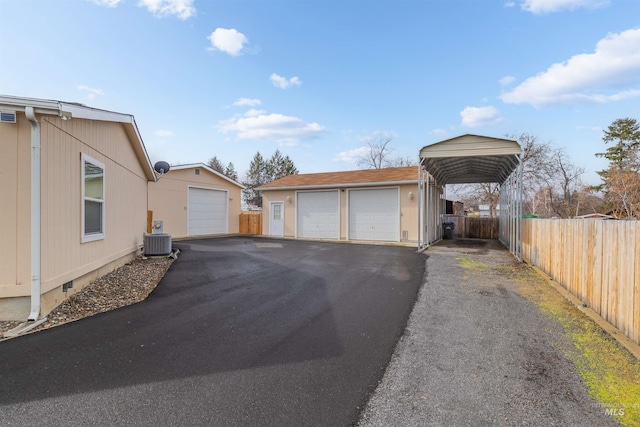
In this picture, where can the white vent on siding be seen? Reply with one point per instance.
(405, 234)
(157, 244)
(7, 116)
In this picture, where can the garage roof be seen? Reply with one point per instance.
(471, 159)
(357, 178)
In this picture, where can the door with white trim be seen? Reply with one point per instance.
(276, 219)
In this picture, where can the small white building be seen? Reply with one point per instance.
(484, 210)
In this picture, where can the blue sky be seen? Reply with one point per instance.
(317, 78)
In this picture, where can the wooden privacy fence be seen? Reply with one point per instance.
(475, 227)
(251, 222)
(597, 261)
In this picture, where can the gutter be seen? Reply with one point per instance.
(333, 186)
(35, 213)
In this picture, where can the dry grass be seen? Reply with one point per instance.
(611, 373)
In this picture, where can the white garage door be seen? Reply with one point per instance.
(374, 214)
(207, 212)
(319, 214)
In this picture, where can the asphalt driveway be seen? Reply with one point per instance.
(240, 331)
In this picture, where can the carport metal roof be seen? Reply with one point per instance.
(469, 159)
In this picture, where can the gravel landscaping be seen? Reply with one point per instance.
(129, 284)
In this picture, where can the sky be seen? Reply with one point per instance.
(318, 79)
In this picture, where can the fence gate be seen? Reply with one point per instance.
(251, 223)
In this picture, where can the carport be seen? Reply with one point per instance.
(470, 159)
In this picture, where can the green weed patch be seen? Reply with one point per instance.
(611, 373)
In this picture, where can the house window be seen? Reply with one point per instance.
(92, 199)
(277, 212)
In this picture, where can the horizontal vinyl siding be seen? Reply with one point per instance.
(15, 214)
(64, 257)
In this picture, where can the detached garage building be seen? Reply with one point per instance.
(195, 200)
(362, 205)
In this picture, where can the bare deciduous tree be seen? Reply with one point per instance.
(623, 192)
(378, 155)
(551, 182)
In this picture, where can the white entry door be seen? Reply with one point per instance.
(276, 219)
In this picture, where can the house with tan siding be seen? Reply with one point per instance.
(195, 200)
(361, 205)
(74, 200)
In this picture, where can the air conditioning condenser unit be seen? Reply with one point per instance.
(157, 244)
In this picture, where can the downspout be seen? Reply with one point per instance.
(35, 213)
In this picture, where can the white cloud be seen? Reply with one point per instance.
(480, 116)
(248, 102)
(440, 131)
(286, 130)
(611, 73)
(253, 112)
(163, 133)
(506, 80)
(228, 41)
(351, 156)
(549, 6)
(90, 91)
(183, 9)
(509, 4)
(283, 82)
(107, 3)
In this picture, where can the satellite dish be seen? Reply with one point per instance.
(162, 167)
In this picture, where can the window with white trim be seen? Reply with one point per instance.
(277, 211)
(92, 199)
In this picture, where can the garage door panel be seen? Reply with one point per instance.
(318, 215)
(374, 214)
(207, 212)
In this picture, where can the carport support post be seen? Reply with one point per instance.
(419, 204)
(520, 197)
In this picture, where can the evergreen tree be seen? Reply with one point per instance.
(230, 172)
(280, 166)
(216, 165)
(625, 134)
(263, 171)
(256, 176)
(621, 180)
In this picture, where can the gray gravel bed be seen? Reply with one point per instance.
(475, 353)
(126, 285)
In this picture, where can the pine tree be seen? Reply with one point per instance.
(280, 166)
(625, 134)
(263, 171)
(230, 172)
(216, 165)
(256, 176)
(621, 180)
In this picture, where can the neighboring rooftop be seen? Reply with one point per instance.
(367, 177)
